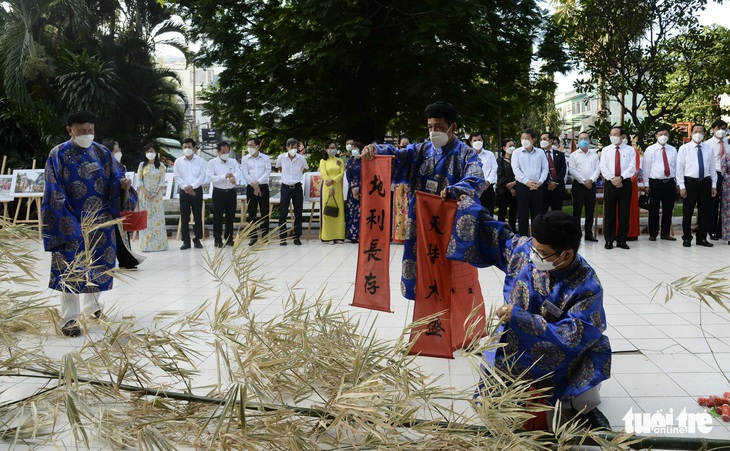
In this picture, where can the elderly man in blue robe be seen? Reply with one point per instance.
(84, 187)
(444, 165)
(553, 318)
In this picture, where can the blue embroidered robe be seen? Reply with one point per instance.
(79, 183)
(456, 166)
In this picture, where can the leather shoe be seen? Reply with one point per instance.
(252, 242)
(297, 242)
(197, 244)
(229, 243)
(590, 238)
(652, 238)
(623, 245)
(714, 237)
(218, 244)
(283, 243)
(609, 246)
(97, 314)
(71, 329)
(595, 419)
(686, 243)
(705, 243)
(669, 238)
(185, 246)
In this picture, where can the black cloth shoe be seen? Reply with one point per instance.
(595, 419)
(197, 244)
(185, 246)
(592, 239)
(252, 242)
(297, 242)
(652, 238)
(686, 243)
(623, 245)
(71, 329)
(714, 237)
(609, 246)
(705, 243)
(668, 238)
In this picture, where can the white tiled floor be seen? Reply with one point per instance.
(662, 360)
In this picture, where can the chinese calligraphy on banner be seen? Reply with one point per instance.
(443, 285)
(372, 286)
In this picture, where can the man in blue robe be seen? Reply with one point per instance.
(84, 186)
(444, 165)
(553, 317)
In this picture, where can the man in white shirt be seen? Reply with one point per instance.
(489, 167)
(531, 170)
(256, 168)
(719, 145)
(223, 172)
(190, 175)
(696, 177)
(585, 170)
(618, 165)
(660, 167)
(292, 165)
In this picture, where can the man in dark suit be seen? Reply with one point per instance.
(555, 192)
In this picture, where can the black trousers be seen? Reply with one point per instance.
(699, 194)
(125, 258)
(194, 203)
(256, 204)
(295, 196)
(504, 202)
(612, 198)
(662, 193)
(487, 199)
(715, 217)
(529, 205)
(554, 199)
(224, 209)
(584, 197)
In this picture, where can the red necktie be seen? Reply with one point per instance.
(551, 163)
(666, 162)
(722, 149)
(617, 167)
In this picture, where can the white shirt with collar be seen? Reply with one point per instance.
(217, 170)
(688, 165)
(189, 172)
(715, 145)
(584, 166)
(530, 166)
(256, 169)
(489, 165)
(608, 162)
(292, 170)
(654, 162)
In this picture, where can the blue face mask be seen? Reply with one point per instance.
(583, 143)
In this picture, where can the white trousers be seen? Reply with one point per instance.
(585, 402)
(72, 305)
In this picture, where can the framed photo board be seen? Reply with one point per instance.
(207, 189)
(28, 182)
(275, 186)
(312, 186)
(6, 187)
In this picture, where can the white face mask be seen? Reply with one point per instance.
(545, 144)
(719, 134)
(151, 155)
(615, 140)
(332, 152)
(698, 137)
(540, 264)
(348, 147)
(223, 157)
(439, 139)
(251, 150)
(84, 141)
(355, 152)
(292, 152)
(188, 151)
(118, 156)
(509, 150)
(662, 139)
(526, 143)
(477, 145)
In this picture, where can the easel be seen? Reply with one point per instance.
(37, 199)
(312, 211)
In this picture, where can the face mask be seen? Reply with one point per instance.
(292, 152)
(662, 139)
(698, 137)
(439, 139)
(332, 152)
(615, 140)
(540, 264)
(151, 155)
(118, 156)
(251, 150)
(583, 143)
(355, 152)
(223, 157)
(188, 151)
(545, 144)
(509, 150)
(526, 143)
(719, 134)
(84, 141)
(477, 145)
(348, 147)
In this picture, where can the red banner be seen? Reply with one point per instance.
(372, 282)
(442, 285)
